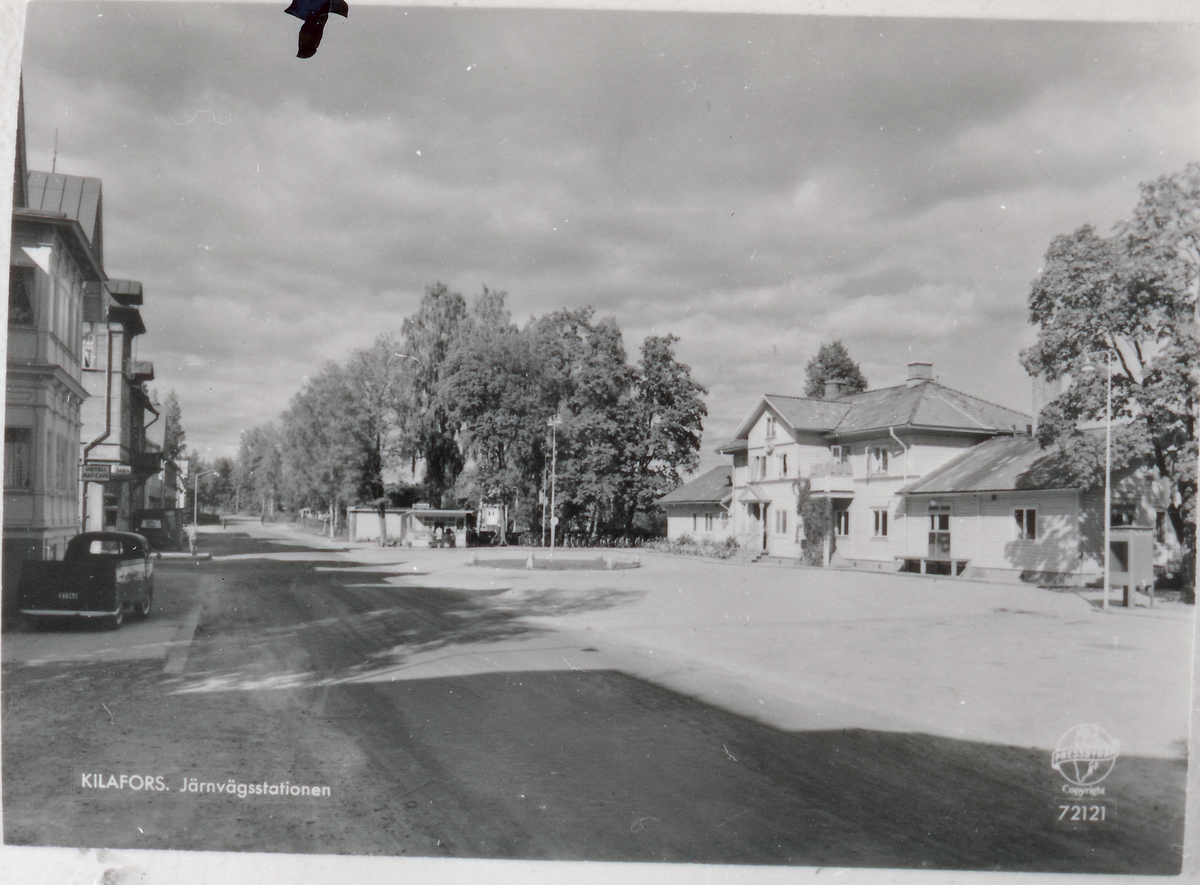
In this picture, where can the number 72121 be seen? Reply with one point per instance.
(1082, 813)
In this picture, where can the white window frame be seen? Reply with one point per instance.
(770, 427)
(708, 522)
(877, 460)
(1026, 522)
(880, 528)
(781, 463)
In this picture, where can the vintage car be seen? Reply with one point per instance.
(101, 575)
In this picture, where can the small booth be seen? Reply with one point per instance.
(1131, 560)
(427, 527)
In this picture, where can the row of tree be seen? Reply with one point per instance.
(457, 411)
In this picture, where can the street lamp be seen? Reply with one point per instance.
(1107, 471)
(553, 423)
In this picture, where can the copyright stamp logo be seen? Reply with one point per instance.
(1085, 756)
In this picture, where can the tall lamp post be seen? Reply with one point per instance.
(554, 423)
(1107, 471)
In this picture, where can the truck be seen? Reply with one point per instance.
(101, 576)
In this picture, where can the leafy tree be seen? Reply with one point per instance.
(832, 363)
(669, 411)
(428, 337)
(491, 388)
(260, 467)
(319, 463)
(376, 382)
(1131, 297)
(173, 433)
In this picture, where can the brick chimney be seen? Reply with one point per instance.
(833, 389)
(918, 372)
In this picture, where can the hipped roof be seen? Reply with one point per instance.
(1003, 464)
(925, 404)
(713, 487)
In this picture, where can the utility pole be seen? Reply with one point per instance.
(554, 423)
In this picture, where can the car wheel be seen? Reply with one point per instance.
(113, 622)
(142, 610)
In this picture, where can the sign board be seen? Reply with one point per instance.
(122, 470)
(96, 472)
(151, 524)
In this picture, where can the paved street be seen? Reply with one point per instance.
(680, 711)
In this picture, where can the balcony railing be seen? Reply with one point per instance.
(831, 468)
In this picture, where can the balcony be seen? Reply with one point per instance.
(831, 477)
(146, 463)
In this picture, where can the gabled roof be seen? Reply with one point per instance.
(713, 487)
(1002, 464)
(798, 413)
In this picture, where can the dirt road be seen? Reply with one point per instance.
(287, 684)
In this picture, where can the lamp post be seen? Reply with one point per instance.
(554, 423)
(1107, 471)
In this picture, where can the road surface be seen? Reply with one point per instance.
(457, 722)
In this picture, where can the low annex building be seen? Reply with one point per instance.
(699, 509)
(920, 477)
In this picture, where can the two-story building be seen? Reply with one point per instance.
(919, 477)
(117, 458)
(56, 256)
(74, 392)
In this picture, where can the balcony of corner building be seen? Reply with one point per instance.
(146, 463)
(831, 477)
(139, 370)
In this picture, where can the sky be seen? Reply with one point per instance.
(753, 184)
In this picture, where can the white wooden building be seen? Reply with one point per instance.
(924, 478)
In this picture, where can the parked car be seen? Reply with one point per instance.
(101, 575)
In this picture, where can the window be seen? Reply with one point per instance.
(841, 521)
(88, 354)
(63, 463)
(770, 427)
(877, 459)
(1026, 524)
(881, 521)
(759, 468)
(939, 530)
(18, 458)
(20, 295)
(1123, 514)
(724, 519)
(781, 463)
(781, 522)
(835, 452)
(1160, 527)
(695, 522)
(708, 522)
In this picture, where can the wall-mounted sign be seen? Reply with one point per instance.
(96, 472)
(122, 470)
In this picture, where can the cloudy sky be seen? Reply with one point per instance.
(754, 184)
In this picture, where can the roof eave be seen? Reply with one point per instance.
(78, 244)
